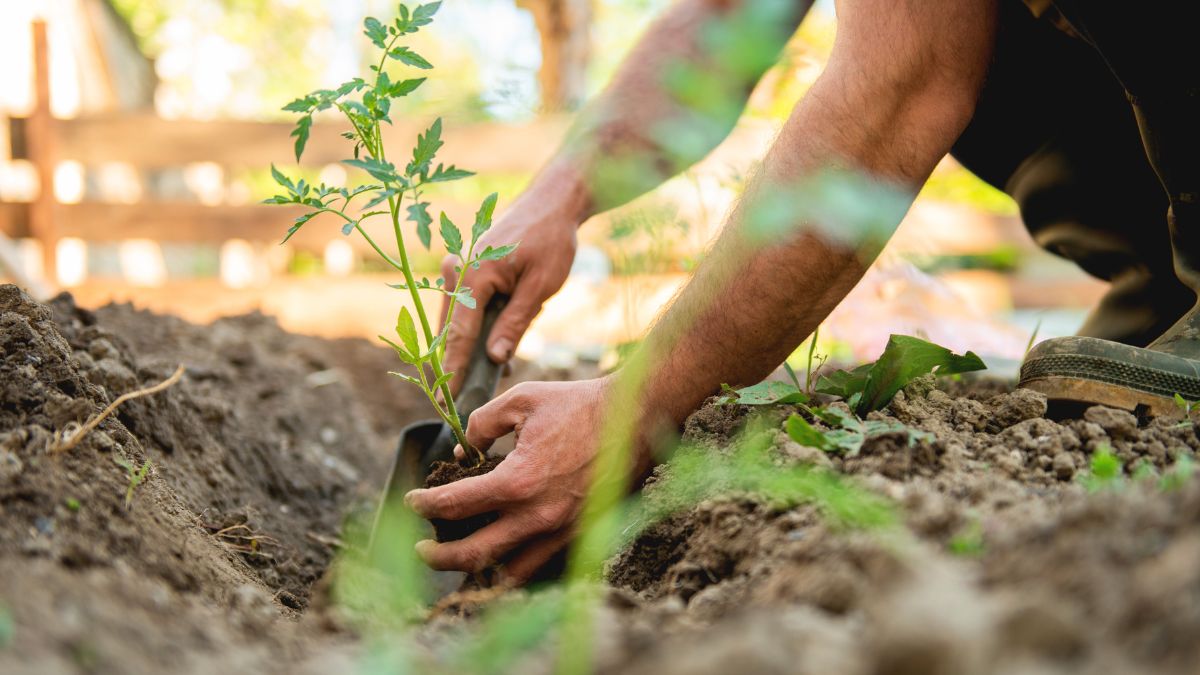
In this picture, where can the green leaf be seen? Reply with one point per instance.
(843, 383)
(427, 146)
(375, 32)
(419, 213)
(437, 384)
(445, 174)
(407, 330)
(353, 85)
(497, 253)
(905, 359)
(283, 180)
(463, 296)
(301, 105)
(409, 57)
(405, 87)
(483, 217)
(383, 171)
(768, 393)
(381, 197)
(349, 227)
(303, 125)
(423, 14)
(806, 434)
(406, 378)
(451, 236)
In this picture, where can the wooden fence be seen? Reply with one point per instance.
(151, 143)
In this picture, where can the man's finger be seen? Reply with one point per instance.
(479, 550)
(513, 322)
(533, 556)
(464, 498)
(498, 417)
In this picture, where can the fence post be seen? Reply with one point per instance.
(42, 153)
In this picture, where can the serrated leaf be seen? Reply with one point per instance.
(380, 197)
(403, 353)
(405, 87)
(427, 146)
(301, 105)
(423, 14)
(382, 171)
(299, 222)
(351, 86)
(303, 125)
(407, 330)
(445, 174)
(406, 378)
(483, 217)
(450, 235)
(496, 253)
(283, 180)
(464, 297)
(409, 57)
(446, 377)
(419, 214)
(375, 32)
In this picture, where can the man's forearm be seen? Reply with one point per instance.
(753, 301)
(677, 84)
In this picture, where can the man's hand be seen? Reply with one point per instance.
(538, 489)
(545, 230)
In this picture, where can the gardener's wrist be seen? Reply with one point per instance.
(562, 188)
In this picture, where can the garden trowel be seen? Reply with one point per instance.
(423, 443)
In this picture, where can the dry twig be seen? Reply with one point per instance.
(68, 438)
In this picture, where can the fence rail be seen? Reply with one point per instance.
(151, 143)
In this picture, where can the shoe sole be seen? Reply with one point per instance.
(1090, 370)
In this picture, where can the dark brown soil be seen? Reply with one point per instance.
(257, 457)
(1004, 562)
(444, 473)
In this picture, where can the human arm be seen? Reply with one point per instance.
(899, 88)
(620, 147)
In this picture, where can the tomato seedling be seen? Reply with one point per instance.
(396, 193)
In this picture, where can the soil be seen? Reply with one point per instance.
(1003, 560)
(1053, 578)
(443, 473)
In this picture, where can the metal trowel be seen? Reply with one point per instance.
(423, 443)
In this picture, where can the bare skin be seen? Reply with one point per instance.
(900, 86)
(621, 123)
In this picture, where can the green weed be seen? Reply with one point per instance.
(848, 433)
(872, 386)
(73, 504)
(136, 474)
(366, 104)
(1178, 475)
(1105, 471)
(968, 543)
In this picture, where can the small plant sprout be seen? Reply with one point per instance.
(396, 193)
(1105, 471)
(137, 476)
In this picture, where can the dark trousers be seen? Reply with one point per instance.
(1093, 133)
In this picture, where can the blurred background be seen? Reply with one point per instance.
(136, 138)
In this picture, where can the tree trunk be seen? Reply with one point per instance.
(564, 27)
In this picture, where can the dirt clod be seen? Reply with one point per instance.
(444, 473)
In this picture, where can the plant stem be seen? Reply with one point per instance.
(812, 350)
(435, 359)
